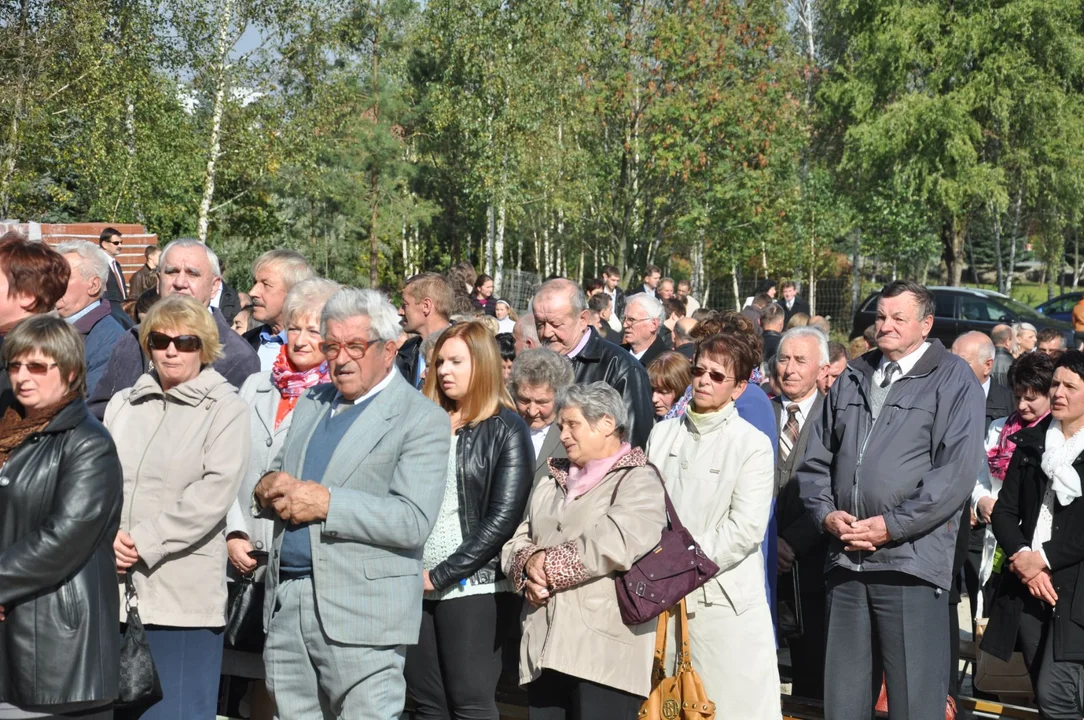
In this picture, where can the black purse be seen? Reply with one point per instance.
(139, 685)
(244, 621)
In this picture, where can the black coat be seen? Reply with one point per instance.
(800, 306)
(61, 493)
(229, 304)
(603, 361)
(656, 348)
(1014, 518)
(770, 340)
(494, 473)
(113, 292)
(252, 337)
(406, 358)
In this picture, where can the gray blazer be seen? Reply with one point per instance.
(551, 448)
(260, 395)
(387, 479)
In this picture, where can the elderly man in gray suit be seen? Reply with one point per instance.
(355, 492)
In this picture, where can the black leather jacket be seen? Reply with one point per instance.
(601, 360)
(406, 359)
(61, 493)
(494, 472)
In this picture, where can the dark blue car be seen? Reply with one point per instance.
(1061, 307)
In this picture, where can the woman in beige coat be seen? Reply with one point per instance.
(578, 659)
(719, 472)
(182, 434)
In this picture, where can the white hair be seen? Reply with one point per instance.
(290, 264)
(307, 298)
(526, 328)
(809, 332)
(596, 400)
(1024, 326)
(648, 303)
(352, 302)
(212, 259)
(95, 260)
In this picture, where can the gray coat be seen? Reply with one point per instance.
(915, 466)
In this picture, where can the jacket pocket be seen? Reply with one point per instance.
(378, 568)
(597, 603)
(69, 609)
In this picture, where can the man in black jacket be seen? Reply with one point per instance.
(426, 309)
(274, 273)
(611, 280)
(791, 303)
(1002, 337)
(560, 313)
(771, 322)
(116, 288)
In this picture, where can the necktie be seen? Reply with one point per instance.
(789, 438)
(120, 281)
(890, 369)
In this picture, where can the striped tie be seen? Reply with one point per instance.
(789, 436)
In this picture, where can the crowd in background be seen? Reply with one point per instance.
(414, 501)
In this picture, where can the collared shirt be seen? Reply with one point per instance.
(803, 410)
(986, 388)
(269, 348)
(340, 402)
(640, 354)
(538, 437)
(613, 299)
(84, 312)
(580, 345)
(217, 299)
(907, 364)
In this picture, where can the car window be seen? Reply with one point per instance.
(1022, 311)
(944, 305)
(980, 309)
(1060, 305)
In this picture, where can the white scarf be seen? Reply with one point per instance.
(1058, 462)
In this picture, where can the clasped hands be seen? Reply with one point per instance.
(1030, 567)
(866, 535)
(536, 589)
(295, 501)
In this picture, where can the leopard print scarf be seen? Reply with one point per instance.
(15, 427)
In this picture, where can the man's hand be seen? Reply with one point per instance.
(272, 486)
(3, 614)
(427, 584)
(867, 535)
(1027, 564)
(124, 550)
(784, 560)
(536, 594)
(238, 548)
(838, 522)
(1041, 587)
(303, 502)
(985, 508)
(535, 569)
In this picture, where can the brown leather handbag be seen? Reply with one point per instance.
(682, 696)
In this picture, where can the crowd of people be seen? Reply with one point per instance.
(417, 500)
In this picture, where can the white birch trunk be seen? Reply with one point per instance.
(216, 120)
(498, 250)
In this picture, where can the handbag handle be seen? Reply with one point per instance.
(684, 656)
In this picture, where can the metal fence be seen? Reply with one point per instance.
(833, 298)
(518, 287)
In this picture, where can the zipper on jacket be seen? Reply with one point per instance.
(139, 468)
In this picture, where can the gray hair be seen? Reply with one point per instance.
(541, 367)
(308, 297)
(648, 303)
(1024, 327)
(808, 332)
(576, 296)
(291, 265)
(352, 302)
(596, 400)
(95, 261)
(212, 259)
(526, 328)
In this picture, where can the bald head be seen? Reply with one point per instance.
(1002, 336)
(683, 329)
(977, 350)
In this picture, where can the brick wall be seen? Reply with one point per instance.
(135, 238)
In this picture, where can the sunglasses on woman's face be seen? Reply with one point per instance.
(34, 368)
(716, 377)
(183, 343)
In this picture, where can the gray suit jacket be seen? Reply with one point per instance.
(551, 448)
(387, 479)
(794, 522)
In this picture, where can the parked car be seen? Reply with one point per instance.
(959, 310)
(1061, 307)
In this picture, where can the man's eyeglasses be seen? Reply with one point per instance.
(34, 368)
(716, 377)
(183, 343)
(113, 242)
(355, 350)
(632, 321)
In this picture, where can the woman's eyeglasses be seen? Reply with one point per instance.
(716, 377)
(34, 368)
(183, 343)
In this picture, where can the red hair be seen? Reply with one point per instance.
(33, 269)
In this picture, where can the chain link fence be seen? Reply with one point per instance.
(832, 300)
(518, 287)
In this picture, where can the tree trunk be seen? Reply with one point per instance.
(953, 233)
(498, 250)
(12, 146)
(997, 249)
(856, 270)
(216, 120)
(491, 232)
(1012, 241)
(734, 276)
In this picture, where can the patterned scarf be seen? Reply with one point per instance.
(291, 382)
(999, 455)
(15, 428)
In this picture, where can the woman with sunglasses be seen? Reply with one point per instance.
(183, 437)
(719, 470)
(60, 502)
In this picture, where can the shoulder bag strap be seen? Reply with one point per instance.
(671, 514)
(684, 656)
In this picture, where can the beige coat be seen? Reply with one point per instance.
(579, 631)
(183, 453)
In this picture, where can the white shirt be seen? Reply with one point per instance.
(538, 437)
(1045, 524)
(907, 364)
(640, 354)
(803, 410)
(340, 402)
(986, 388)
(217, 298)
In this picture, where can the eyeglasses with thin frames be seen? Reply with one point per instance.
(716, 377)
(34, 368)
(632, 321)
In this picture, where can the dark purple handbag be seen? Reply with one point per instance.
(660, 579)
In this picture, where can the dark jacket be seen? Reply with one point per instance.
(142, 279)
(61, 493)
(656, 348)
(770, 340)
(100, 333)
(800, 306)
(796, 525)
(603, 361)
(915, 466)
(495, 473)
(127, 363)
(1014, 518)
(252, 337)
(406, 359)
(1003, 360)
(113, 289)
(489, 307)
(688, 350)
(753, 313)
(229, 304)
(619, 302)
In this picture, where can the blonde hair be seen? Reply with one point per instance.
(487, 393)
(184, 313)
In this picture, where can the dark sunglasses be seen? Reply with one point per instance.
(716, 377)
(34, 368)
(113, 242)
(183, 343)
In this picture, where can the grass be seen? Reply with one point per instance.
(1031, 294)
